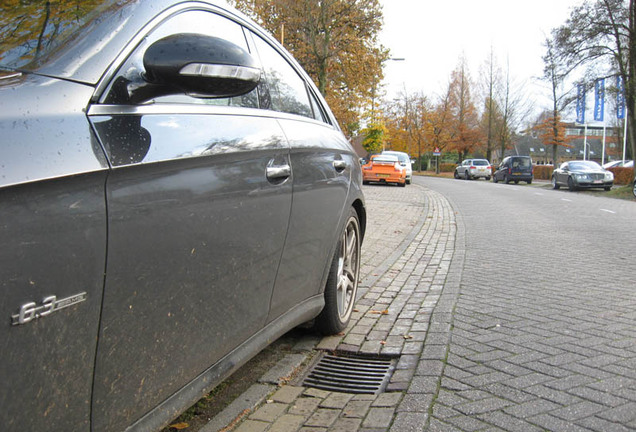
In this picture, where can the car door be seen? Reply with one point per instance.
(199, 199)
(322, 162)
(562, 173)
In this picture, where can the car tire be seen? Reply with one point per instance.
(365, 182)
(342, 281)
(634, 190)
(516, 181)
(487, 178)
(402, 184)
(571, 185)
(494, 179)
(529, 181)
(555, 185)
(608, 188)
(456, 175)
(466, 176)
(506, 179)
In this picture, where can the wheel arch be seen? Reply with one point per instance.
(358, 206)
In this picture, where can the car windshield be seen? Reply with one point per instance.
(584, 166)
(33, 30)
(480, 162)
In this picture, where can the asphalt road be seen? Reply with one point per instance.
(544, 331)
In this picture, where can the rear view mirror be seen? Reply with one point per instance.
(201, 66)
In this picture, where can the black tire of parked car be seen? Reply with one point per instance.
(634, 190)
(555, 185)
(571, 185)
(343, 275)
(456, 175)
(494, 179)
(466, 175)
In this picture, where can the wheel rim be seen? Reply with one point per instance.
(348, 269)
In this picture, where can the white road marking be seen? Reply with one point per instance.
(608, 211)
(566, 200)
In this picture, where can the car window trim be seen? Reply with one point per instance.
(196, 109)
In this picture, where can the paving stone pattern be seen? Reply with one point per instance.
(406, 257)
(472, 356)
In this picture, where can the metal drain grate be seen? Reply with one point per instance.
(349, 374)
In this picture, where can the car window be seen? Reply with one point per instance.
(128, 85)
(522, 162)
(317, 109)
(43, 28)
(287, 91)
(480, 162)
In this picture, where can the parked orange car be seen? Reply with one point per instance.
(384, 169)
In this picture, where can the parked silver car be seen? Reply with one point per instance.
(582, 174)
(175, 194)
(473, 169)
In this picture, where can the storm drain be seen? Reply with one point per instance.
(350, 374)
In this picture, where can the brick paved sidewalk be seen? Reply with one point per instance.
(410, 253)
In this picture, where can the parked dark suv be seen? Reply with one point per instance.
(514, 168)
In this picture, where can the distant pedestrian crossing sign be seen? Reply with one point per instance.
(437, 152)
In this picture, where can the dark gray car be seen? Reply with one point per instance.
(174, 195)
(582, 174)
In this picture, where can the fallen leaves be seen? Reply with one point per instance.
(383, 312)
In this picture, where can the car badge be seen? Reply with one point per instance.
(30, 311)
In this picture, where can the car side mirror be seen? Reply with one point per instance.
(202, 66)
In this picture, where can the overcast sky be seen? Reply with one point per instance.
(432, 35)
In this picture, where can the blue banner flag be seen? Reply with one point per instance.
(599, 99)
(580, 103)
(620, 98)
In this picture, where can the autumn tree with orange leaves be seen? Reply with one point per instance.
(408, 124)
(465, 129)
(551, 131)
(336, 43)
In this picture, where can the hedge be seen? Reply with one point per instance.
(623, 176)
(543, 172)
(447, 167)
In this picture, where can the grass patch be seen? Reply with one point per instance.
(622, 192)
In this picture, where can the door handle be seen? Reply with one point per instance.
(339, 165)
(278, 172)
